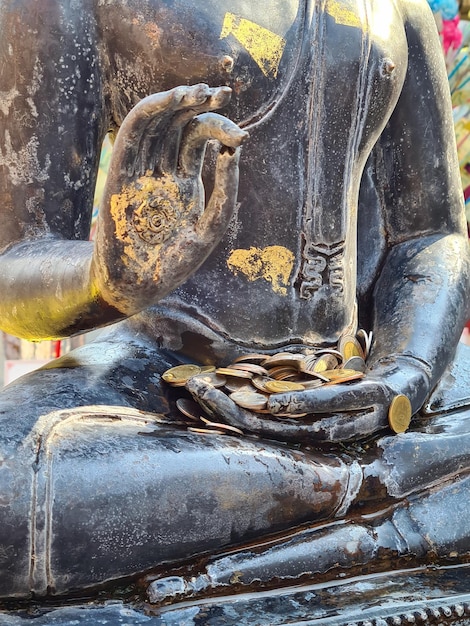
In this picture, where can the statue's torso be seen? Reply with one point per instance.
(314, 86)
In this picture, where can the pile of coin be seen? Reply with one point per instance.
(251, 378)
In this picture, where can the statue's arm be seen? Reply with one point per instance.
(421, 299)
(155, 227)
(51, 127)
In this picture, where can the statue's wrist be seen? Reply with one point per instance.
(405, 374)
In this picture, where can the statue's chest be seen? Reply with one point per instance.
(258, 49)
(251, 47)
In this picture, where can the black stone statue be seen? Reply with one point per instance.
(342, 210)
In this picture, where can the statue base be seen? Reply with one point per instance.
(418, 596)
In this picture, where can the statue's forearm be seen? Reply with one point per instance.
(48, 290)
(422, 301)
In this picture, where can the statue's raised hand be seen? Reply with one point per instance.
(336, 413)
(155, 228)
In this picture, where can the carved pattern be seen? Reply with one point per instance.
(154, 220)
(322, 264)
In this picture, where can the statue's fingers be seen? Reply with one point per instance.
(216, 98)
(330, 398)
(335, 427)
(141, 122)
(341, 427)
(218, 404)
(219, 210)
(149, 128)
(196, 135)
(203, 100)
(160, 142)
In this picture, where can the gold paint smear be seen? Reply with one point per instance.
(264, 46)
(273, 264)
(138, 254)
(342, 15)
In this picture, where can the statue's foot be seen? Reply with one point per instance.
(174, 588)
(298, 558)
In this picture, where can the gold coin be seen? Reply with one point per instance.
(205, 369)
(342, 376)
(238, 384)
(249, 399)
(399, 414)
(339, 373)
(349, 346)
(325, 363)
(280, 386)
(229, 371)
(179, 375)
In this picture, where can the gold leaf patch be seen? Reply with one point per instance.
(273, 264)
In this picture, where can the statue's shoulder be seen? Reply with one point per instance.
(414, 11)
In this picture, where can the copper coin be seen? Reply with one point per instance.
(212, 378)
(229, 371)
(220, 426)
(250, 367)
(205, 431)
(284, 358)
(189, 408)
(250, 358)
(281, 372)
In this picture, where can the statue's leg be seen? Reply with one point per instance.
(94, 495)
(89, 494)
(117, 368)
(430, 527)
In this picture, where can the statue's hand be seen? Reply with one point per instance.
(335, 413)
(155, 228)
